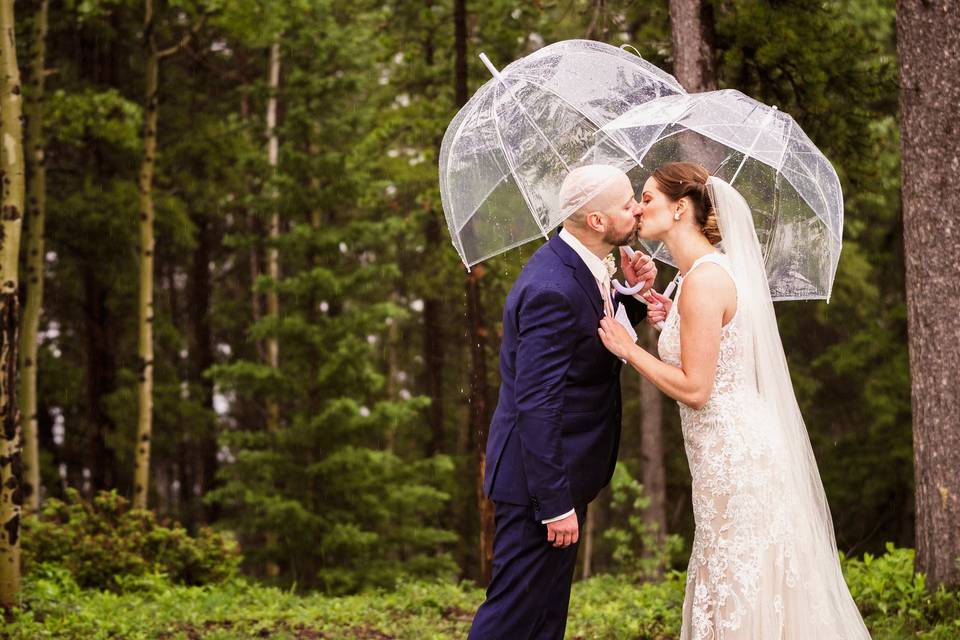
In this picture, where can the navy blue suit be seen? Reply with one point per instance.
(553, 440)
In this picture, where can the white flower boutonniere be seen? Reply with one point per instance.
(611, 266)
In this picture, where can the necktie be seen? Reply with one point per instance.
(607, 300)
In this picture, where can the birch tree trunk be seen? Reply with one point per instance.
(273, 255)
(273, 262)
(928, 47)
(11, 219)
(692, 35)
(36, 214)
(141, 470)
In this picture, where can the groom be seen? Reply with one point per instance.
(554, 437)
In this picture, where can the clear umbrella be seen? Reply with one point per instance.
(506, 153)
(792, 189)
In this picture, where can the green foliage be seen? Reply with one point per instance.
(104, 544)
(896, 602)
(892, 598)
(611, 607)
(640, 552)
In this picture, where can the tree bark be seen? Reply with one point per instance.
(36, 213)
(273, 255)
(692, 35)
(101, 369)
(479, 421)
(589, 528)
(255, 232)
(11, 219)
(654, 477)
(201, 354)
(141, 470)
(434, 351)
(928, 46)
(141, 473)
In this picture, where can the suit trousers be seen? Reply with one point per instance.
(529, 591)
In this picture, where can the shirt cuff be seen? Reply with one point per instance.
(566, 515)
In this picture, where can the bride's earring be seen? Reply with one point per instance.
(676, 216)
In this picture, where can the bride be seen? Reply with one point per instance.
(764, 564)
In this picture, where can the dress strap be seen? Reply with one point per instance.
(715, 257)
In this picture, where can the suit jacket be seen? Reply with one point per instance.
(555, 433)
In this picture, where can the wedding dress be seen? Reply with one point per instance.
(764, 564)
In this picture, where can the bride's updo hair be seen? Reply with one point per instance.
(689, 180)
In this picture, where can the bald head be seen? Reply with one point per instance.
(593, 187)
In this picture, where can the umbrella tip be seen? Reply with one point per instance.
(489, 65)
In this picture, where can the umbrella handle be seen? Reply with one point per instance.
(667, 293)
(632, 291)
(623, 289)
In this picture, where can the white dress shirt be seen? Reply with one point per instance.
(599, 270)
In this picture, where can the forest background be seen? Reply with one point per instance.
(241, 307)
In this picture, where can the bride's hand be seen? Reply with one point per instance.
(659, 307)
(615, 337)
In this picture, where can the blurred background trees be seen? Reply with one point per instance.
(323, 366)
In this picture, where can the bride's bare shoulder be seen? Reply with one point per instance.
(709, 286)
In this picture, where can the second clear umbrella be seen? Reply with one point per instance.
(792, 189)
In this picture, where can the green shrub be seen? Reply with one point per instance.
(104, 542)
(638, 552)
(896, 602)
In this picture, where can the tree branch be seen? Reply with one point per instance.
(185, 40)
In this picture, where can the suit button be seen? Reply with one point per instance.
(535, 503)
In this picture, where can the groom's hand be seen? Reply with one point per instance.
(639, 268)
(563, 533)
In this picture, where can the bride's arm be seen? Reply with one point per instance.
(706, 295)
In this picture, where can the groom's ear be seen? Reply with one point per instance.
(596, 221)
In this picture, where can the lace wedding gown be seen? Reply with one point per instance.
(747, 578)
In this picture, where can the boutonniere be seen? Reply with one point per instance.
(611, 266)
